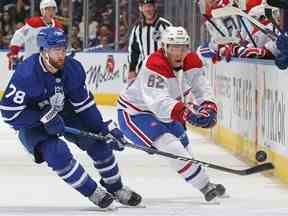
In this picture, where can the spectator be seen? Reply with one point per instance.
(1, 41)
(75, 40)
(77, 10)
(8, 21)
(105, 30)
(22, 10)
(93, 28)
(123, 38)
(7, 3)
(104, 45)
(102, 12)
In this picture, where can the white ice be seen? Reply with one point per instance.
(29, 189)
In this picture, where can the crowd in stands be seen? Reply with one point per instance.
(101, 19)
(101, 26)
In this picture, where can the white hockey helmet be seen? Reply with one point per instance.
(47, 3)
(174, 35)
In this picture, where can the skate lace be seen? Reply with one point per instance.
(123, 195)
(98, 195)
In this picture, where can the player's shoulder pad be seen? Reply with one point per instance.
(35, 22)
(192, 61)
(25, 76)
(74, 71)
(158, 63)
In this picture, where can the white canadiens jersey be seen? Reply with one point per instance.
(229, 26)
(160, 90)
(27, 35)
(263, 40)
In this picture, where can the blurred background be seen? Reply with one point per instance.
(103, 22)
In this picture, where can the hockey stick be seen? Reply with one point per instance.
(247, 31)
(232, 11)
(249, 171)
(214, 25)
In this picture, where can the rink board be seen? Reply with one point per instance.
(252, 99)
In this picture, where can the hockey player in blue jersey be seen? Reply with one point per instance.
(47, 92)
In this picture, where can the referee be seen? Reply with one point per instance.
(145, 35)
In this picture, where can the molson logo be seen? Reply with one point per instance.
(98, 74)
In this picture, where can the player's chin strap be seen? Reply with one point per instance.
(50, 67)
(249, 171)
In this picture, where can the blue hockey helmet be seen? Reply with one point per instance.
(51, 37)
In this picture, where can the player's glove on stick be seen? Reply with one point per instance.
(205, 116)
(115, 137)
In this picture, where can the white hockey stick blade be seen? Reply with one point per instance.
(226, 40)
(233, 11)
(225, 11)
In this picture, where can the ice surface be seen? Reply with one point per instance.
(27, 189)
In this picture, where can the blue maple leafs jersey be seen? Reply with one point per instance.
(31, 86)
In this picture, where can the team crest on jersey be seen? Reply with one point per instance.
(156, 35)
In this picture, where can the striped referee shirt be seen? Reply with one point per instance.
(144, 40)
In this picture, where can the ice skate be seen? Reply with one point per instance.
(127, 197)
(211, 191)
(101, 198)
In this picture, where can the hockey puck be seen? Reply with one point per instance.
(261, 156)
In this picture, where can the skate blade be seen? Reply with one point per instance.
(112, 207)
(224, 196)
(119, 205)
(215, 201)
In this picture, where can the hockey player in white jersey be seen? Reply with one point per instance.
(25, 37)
(151, 110)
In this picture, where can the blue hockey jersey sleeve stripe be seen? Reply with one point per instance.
(82, 102)
(85, 107)
(12, 117)
(8, 108)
